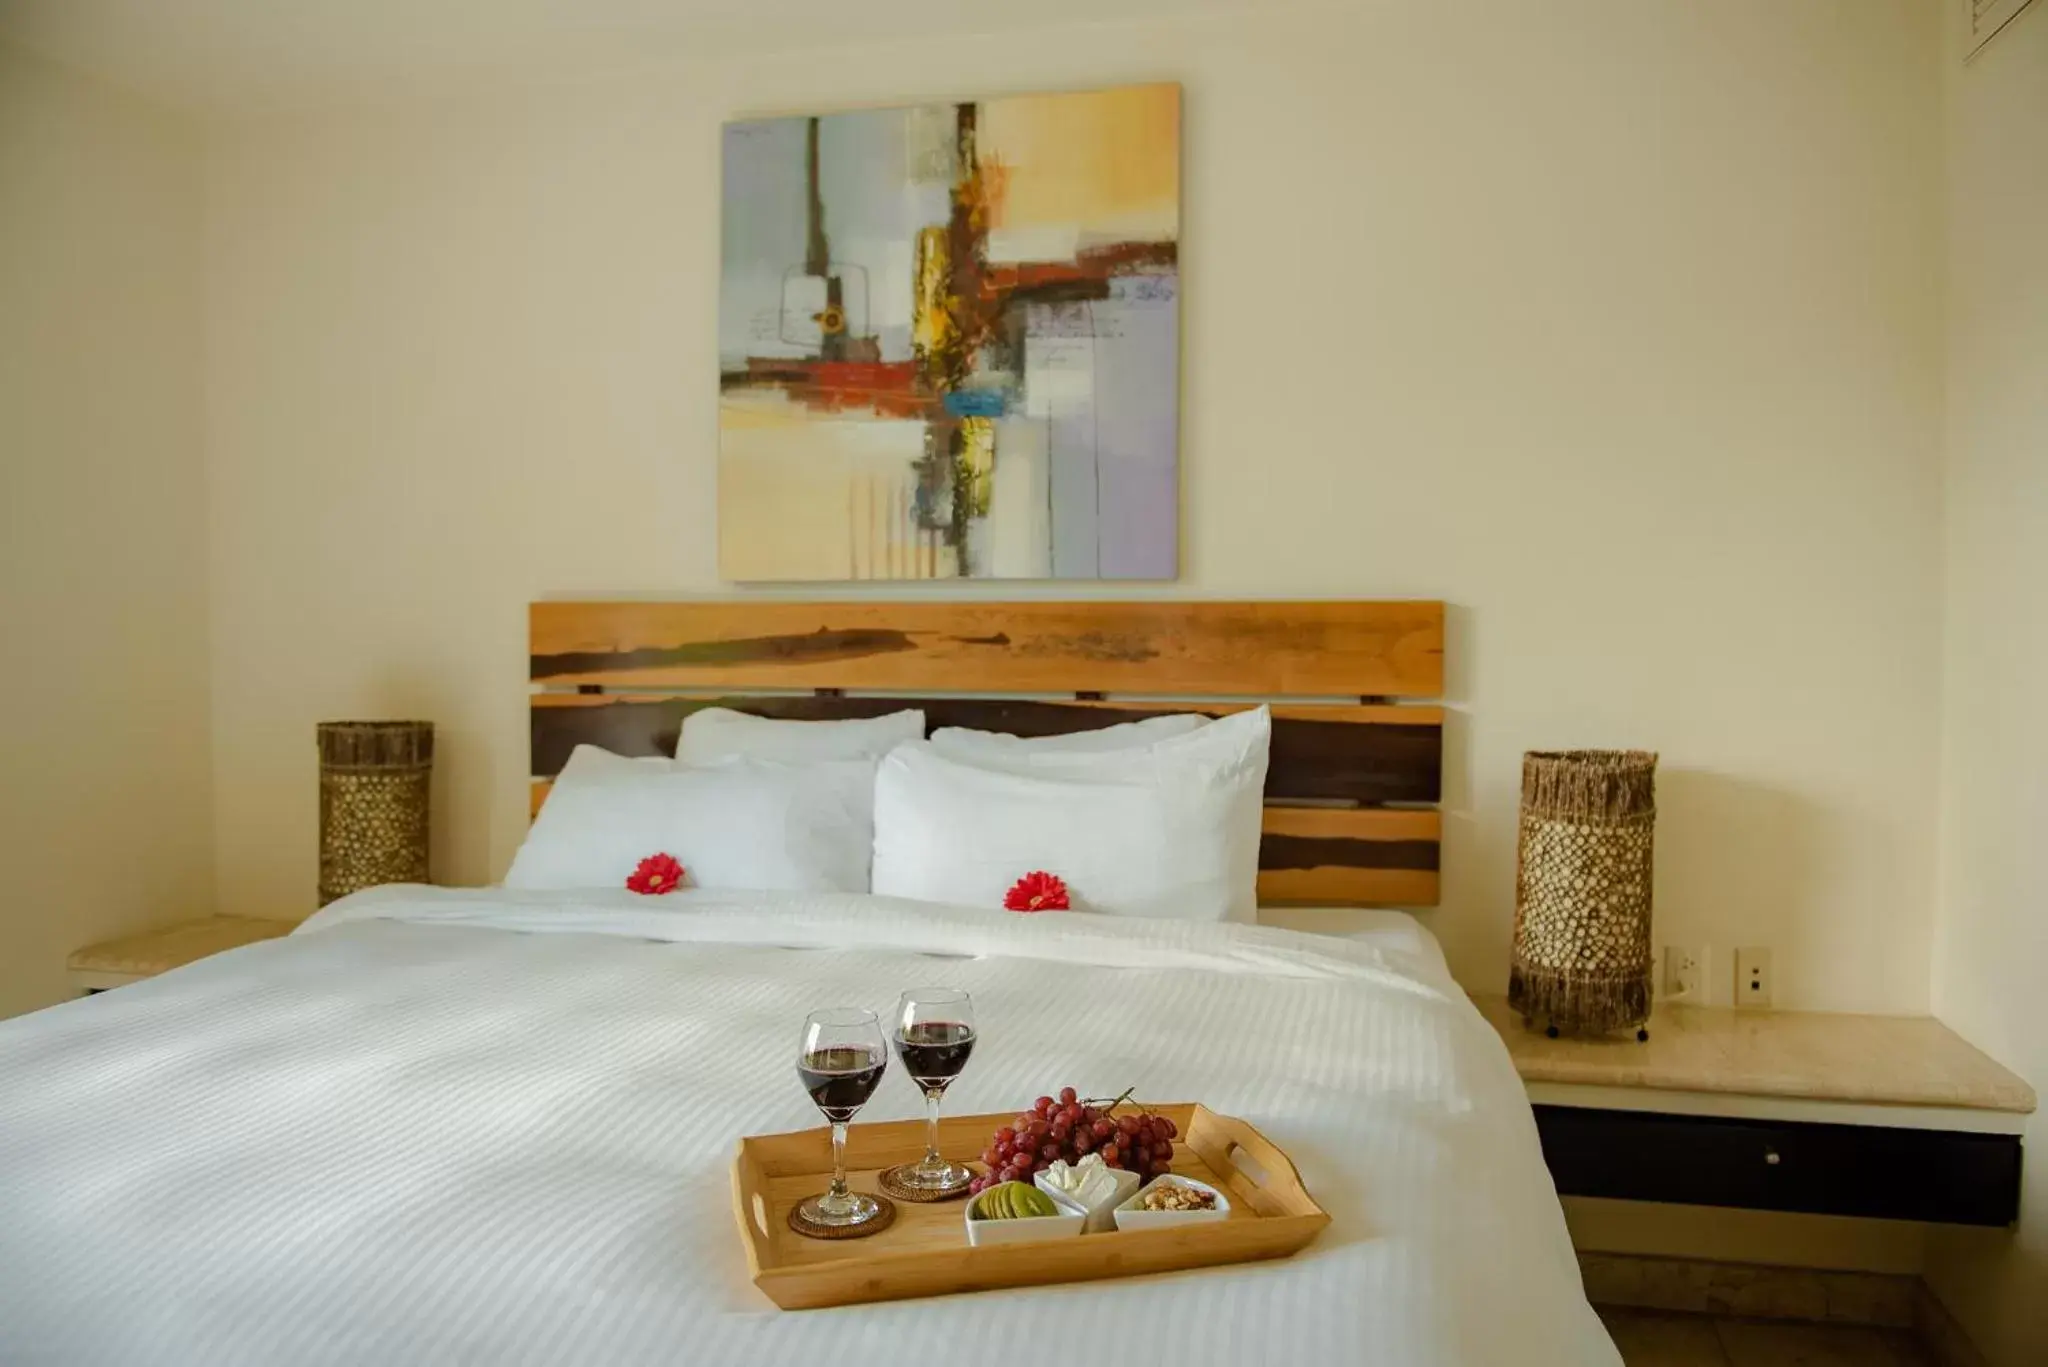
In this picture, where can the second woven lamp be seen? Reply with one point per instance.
(375, 782)
(1582, 959)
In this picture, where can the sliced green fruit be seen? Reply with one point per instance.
(1014, 1201)
(1036, 1203)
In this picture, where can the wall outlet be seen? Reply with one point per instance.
(1685, 974)
(1754, 980)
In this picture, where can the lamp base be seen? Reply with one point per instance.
(1579, 1003)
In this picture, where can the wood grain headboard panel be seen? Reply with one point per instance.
(1354, 778)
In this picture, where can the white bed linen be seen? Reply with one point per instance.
(1394, 931)
(411, 1134)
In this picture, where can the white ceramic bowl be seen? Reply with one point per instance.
(980, 1232)
(1129, 1216)
(1101, 1217)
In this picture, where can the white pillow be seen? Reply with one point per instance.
(741, 824)
(1171, 830)
(717, 733)
(966, 744)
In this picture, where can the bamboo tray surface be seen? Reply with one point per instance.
(926, 1253)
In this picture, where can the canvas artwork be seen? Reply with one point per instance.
(949, 341)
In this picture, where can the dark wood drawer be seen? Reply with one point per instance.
(1941, 1176)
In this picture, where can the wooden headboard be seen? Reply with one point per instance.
(1355, 777)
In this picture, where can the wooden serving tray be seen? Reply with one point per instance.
(926, 1253)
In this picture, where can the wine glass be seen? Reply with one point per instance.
(841, 1061)
(934, 1036)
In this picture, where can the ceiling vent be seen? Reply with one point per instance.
(1986, 18)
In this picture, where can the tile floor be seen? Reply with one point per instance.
(1651, 1338)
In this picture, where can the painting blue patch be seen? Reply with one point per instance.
(975, 403)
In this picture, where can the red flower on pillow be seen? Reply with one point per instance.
(656, 874)
(1037, 891)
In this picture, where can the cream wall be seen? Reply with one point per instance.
(1617, 326)
(1991, 939)
(106, 815)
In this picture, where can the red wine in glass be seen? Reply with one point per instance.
(841, 1080)
(934, 1052)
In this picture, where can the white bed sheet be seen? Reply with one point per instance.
(1395, 931)
(412, 1133)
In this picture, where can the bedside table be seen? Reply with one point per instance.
(1892, 1117)
(130, 959)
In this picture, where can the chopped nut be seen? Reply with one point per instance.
(1174, 1196)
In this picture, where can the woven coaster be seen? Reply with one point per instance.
(891, 1181)
(884, 1217)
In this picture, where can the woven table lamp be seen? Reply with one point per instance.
(1582, 891)
(374, 777)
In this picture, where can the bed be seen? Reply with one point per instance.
(496, 1126)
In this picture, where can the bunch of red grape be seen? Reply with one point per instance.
(1068, 1127)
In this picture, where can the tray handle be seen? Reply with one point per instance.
(1266, 1169)
(751, 1206)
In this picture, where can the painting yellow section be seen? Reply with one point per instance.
(748, 408)
(805, 496)
(977, 461)
(931, 322)
(1105, 163)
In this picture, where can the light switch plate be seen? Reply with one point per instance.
(1754, 980)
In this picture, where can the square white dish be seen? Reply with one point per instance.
(1129, 1217)
(1101, 1217)
(987, 1232)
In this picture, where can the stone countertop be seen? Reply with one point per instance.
(1811, 1055)
(157, 951)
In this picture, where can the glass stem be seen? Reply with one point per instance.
(838, 1192)
(931, 1129)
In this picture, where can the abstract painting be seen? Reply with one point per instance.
(949, 341)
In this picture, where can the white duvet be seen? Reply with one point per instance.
(442, 1126)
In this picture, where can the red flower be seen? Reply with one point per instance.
(1037, 891)
(656, 874)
